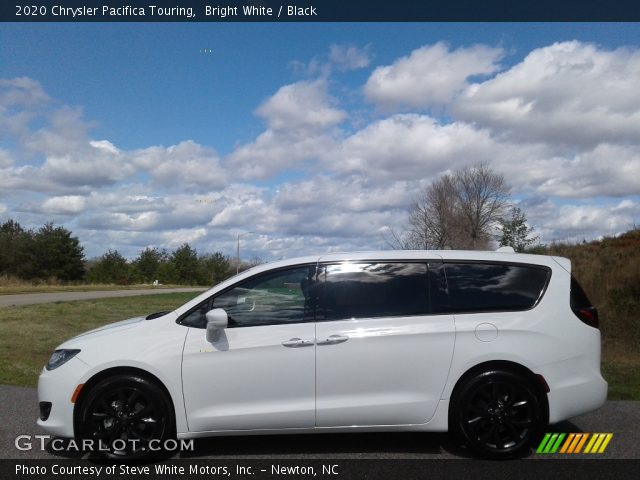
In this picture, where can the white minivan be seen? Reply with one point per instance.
(489, 345)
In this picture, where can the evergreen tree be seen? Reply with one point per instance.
(58, 254)
(111, 267)
(185, 264)
(213, 268)
(146, 267)
(516, 233)
(16, 251)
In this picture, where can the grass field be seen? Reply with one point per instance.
(30, 333)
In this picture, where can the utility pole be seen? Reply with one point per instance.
(239, 236)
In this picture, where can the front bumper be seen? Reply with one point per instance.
(57, 387)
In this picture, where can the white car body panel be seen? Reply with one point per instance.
(249, 380)
(401, 370)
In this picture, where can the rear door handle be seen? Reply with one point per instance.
(333, 340)
(297, 342)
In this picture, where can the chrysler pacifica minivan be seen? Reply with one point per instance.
(490, 346)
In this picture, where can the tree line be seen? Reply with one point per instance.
(53, 253)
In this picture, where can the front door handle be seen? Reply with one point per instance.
(297, 342)
(333, 340)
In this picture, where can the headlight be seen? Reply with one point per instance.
(60, 357)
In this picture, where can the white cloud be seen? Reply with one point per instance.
(21, 91)
(607, 170)
(430, 75)
(273, 152)
(105, 145)
(341, 57)
(581, 221)
(301, 106)
(6, 159)
(299, 118)
(65, 131)
(568, 94)
(354, 194)
(177, 238)
(66, 205)
(349, 57)
(410, 146)
(185, 165)
(21, 100)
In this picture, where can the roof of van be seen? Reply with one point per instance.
(500, 256)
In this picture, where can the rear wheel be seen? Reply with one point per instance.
(497, 413)
(126, 417)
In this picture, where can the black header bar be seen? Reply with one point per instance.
(319, 11)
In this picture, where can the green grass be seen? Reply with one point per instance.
(30, 333)
(624, 381)
(621, 368)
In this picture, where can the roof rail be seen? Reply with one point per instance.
(505, 249)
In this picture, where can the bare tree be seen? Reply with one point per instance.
(432, 215)
(482, 197)
(458, 210)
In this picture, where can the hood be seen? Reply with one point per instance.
(112, 327)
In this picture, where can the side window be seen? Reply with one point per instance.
(284, 296)
(477, 287)
(361, 290)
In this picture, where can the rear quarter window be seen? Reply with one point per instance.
(481, 287)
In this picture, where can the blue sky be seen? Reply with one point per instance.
(314, 136)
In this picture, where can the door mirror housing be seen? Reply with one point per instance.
(217, 320)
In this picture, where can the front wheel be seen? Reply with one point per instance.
(497, 413)
(126, 417)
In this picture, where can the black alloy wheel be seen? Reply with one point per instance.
(126, 417)
(498, 414)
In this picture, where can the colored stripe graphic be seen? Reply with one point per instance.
(573, 443)
(576, 441)
(567, 443)
(543, 443)
(606, 442)
(591, 443)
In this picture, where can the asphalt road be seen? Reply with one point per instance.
(49, 297)
(18, 411)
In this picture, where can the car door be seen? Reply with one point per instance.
(382, 355)
(259, 373)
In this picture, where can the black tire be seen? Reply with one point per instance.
(497, 413)
(129, 411)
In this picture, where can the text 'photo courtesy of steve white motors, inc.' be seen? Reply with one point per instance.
(262, 470)
(156, 12)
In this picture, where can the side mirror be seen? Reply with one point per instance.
(217, 320)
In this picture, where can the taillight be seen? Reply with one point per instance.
(582, 306)
(588, 315)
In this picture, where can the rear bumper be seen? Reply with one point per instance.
(576, 387)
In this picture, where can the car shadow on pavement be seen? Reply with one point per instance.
(330, 445)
